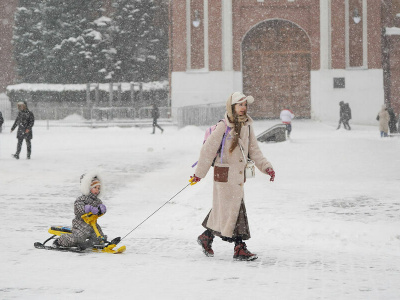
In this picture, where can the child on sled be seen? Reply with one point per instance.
(83, 235)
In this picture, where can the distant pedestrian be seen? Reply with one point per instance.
(1, 122)
(287, 116)
(398, 124)
(383, 118)
(392, 120)
(155, 114)
(24, 121)
(345, 115)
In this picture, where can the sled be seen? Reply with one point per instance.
(275, 134)
(91, 219)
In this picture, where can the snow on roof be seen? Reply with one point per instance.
(392, 31)
(125, 86)
(102, 21)
(95, 34)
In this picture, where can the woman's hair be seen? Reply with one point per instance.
(237, 126)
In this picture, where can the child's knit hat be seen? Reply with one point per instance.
(90, 180)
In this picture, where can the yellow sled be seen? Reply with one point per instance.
(90, 219)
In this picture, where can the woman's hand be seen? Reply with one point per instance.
(194, 179)
(271, 173)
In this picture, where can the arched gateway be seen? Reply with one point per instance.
(276, 64)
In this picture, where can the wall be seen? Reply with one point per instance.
(363, 91)
(191, 88)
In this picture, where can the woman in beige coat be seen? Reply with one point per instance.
(227, 218)
(383, 118)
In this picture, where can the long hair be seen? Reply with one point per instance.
(237, 127)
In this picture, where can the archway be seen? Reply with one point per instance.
(276, 64)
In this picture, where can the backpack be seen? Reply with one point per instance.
(347, 110)
(208, 132)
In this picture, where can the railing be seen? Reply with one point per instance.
(98, 117)
(200, 115)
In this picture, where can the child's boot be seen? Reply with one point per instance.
(56, 244)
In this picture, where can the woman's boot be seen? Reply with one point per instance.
(241, 252)
(205, 241)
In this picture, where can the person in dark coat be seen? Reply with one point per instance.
(1, 121)
(155, 114)
(345, 115)
(24, 121)
(392, 120)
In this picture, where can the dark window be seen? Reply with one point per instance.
(339, 83)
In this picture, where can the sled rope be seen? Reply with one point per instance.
(156, 211)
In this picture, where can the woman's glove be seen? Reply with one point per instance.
(271, 173)
(194, 179)
(103, 209)
(93, 209)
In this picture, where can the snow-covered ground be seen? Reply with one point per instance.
(327, 228)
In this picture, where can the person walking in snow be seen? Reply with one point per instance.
(383, 118)
(227, 218)
(155, 114)
(25, 120)
(83, 236)
(286, 116)
(345, 115)
(392, 120)
(1, 122)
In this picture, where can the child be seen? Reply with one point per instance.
(83, 235)
(286, 116)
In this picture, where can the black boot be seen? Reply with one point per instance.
(84, 245)
(16, 156)
(56, 244)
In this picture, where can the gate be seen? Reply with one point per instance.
(276, 69)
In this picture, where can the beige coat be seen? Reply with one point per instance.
(229, 177)
(384, 120)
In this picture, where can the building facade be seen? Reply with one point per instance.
(304, 54)
(7, 74)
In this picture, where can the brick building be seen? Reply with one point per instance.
(305, 54)
(7, 74)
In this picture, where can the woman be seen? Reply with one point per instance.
(227, 218)
(383, 118)
(24, 121)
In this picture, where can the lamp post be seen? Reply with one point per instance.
(196, 21)
(356, 16)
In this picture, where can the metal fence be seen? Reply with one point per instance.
(200, 115)
(5, 107)
(99, 117)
